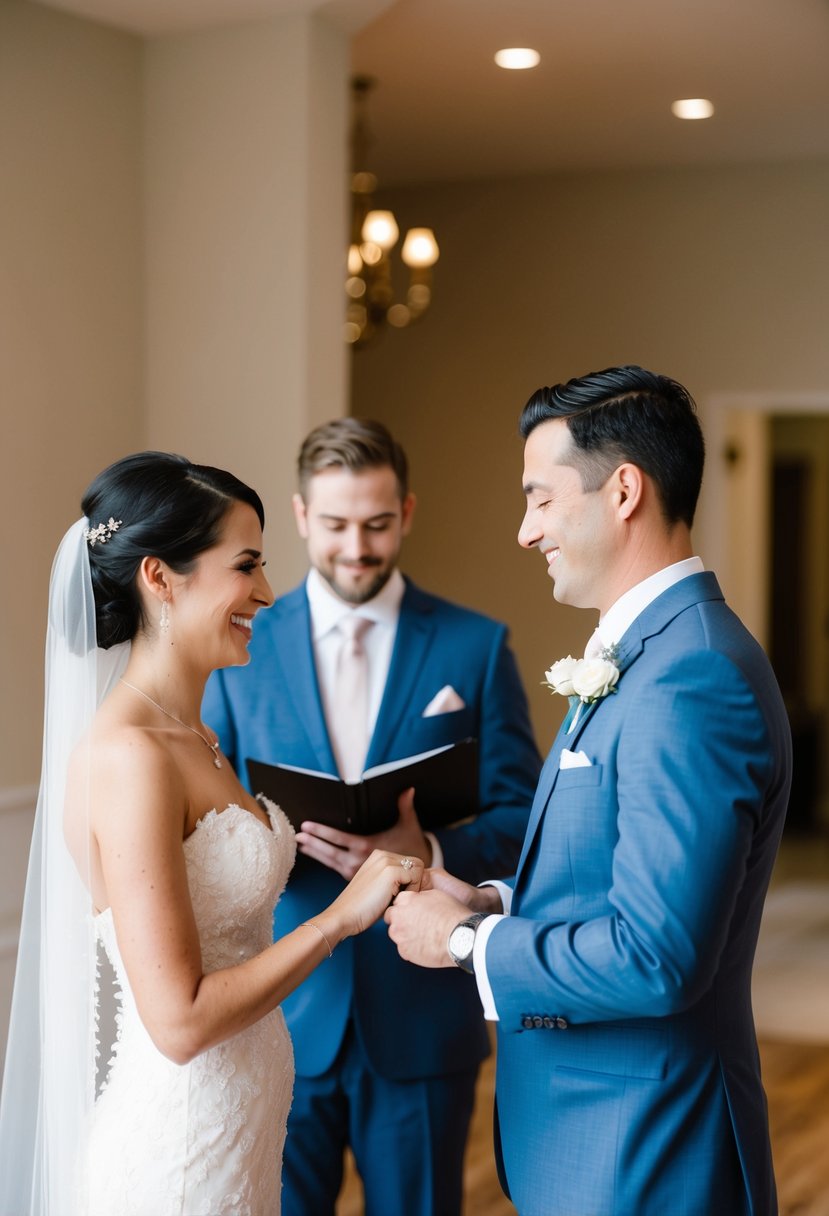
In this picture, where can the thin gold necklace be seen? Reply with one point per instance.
(214, 747)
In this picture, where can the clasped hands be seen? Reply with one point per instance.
(419, 922)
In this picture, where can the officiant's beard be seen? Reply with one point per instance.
(360, 592)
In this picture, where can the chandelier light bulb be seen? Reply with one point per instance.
(371, 254)
(371, 280)
(420, 247)
(398, 316)
(692, 108)
(517, 58)
(380, 228)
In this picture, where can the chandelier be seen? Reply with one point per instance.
(374, 234)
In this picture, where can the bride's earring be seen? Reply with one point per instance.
(164, 619)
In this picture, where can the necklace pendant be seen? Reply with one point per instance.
(217, 762)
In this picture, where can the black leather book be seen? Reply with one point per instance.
(445, 782)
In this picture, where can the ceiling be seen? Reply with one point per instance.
(600, 97)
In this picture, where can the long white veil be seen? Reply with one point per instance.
(49, 1080)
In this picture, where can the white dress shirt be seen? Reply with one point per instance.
(327, 610)
(612, 626)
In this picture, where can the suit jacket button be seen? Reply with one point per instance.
(561, 1023)
(538, 1021)
(527, 1022)
(549, 1023)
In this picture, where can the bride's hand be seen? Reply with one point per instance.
(373, 888)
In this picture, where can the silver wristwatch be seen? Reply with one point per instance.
(462, 940)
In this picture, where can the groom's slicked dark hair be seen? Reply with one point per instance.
(628, 414)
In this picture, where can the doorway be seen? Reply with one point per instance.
(798, 592)
(773, 472)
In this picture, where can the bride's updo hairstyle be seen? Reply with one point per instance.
(164, 506)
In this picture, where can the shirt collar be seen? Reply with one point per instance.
(621, 615)
(327, 609)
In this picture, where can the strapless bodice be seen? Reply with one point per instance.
(204, 1137)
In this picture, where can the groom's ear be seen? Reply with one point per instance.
(628, 489)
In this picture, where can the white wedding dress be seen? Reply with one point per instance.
(205, 1138)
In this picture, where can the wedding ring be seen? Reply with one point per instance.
(406, 863)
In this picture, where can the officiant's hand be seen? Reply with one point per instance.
(345, 852)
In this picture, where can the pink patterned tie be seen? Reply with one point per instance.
(348, 727)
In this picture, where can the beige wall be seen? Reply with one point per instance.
(719, 277)
(172, 229)
(246, 227)
(172, 222)
(71, 309)
(71, 350)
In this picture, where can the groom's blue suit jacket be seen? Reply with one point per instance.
(636, 1090)
(412, 1022)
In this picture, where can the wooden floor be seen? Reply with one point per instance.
(796, 1078)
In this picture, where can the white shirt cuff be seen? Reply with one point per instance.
(479, 964)
(437, 851)
(504, 890)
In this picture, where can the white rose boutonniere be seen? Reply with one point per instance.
(594, 679)
(559, 678)
(583, 680)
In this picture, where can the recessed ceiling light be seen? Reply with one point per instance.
(516, 58)
(692, 107)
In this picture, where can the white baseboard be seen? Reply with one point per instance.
(17, 814)
(18, 798)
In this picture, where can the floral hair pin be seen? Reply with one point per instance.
(103, 532)
(584, 680)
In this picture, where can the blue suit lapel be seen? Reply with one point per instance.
(294, 652)
(629, 650)
(549, 775)
(656, 617)
(415, 631)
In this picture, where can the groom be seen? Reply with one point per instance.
(619, 965)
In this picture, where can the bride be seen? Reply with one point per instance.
(148, 850)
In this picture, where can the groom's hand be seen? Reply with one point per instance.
(420, 924)
(345, 852)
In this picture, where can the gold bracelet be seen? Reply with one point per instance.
(309, 924)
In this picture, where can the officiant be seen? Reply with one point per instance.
(355, 668)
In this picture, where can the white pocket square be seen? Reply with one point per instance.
(446, 701)
(570, 759)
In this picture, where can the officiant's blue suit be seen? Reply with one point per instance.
(628, 1078)
(410, 1023)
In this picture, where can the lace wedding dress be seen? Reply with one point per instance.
(205, 1138)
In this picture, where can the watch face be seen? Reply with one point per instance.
(461, 941)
